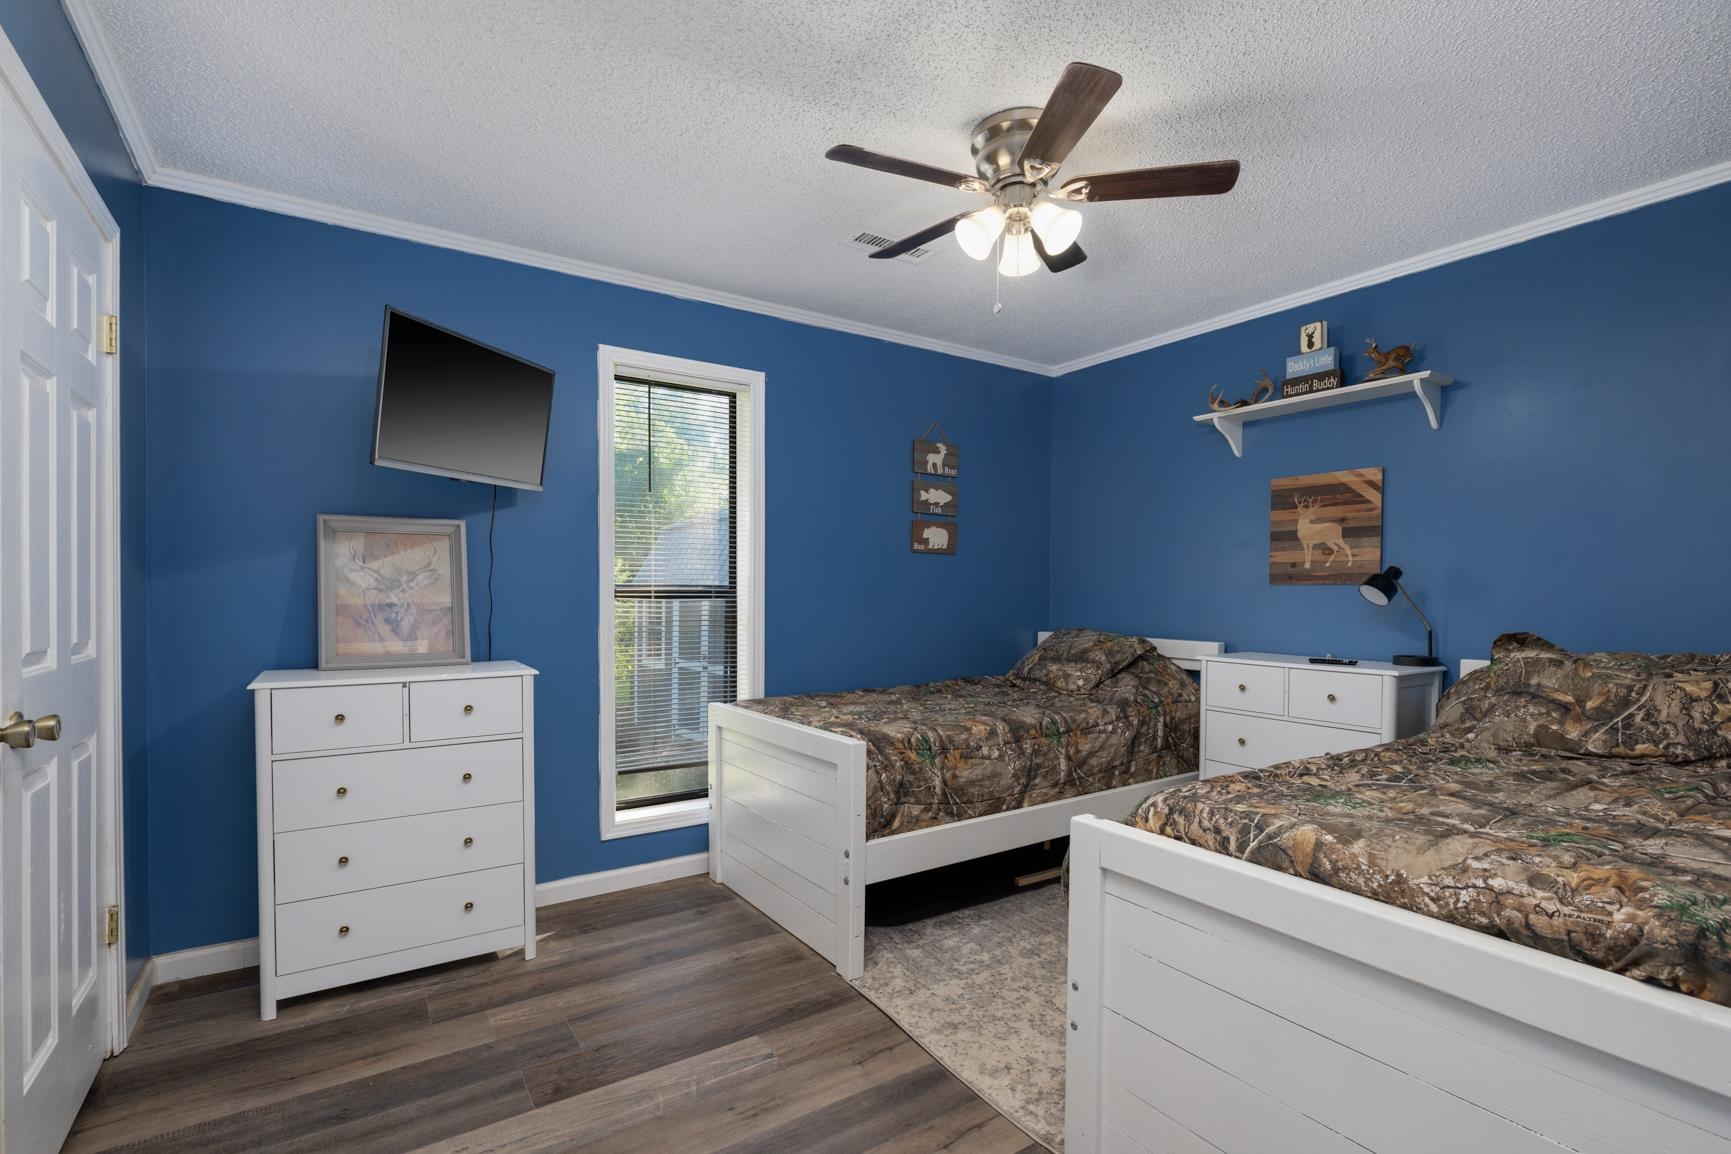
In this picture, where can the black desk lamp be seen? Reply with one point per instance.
(1379, 589)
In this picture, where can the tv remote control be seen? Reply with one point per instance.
(1334, 661)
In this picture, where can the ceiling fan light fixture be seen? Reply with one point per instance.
(978, 231)
(1019, 257)
(1057, 226)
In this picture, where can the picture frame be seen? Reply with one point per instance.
(1325, 528)
(393, 591)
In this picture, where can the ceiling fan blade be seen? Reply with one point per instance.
(877, 161)
(924, 236)
(1081, 94)
(1069, 258)
(1207, 179)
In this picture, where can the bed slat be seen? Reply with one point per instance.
(789, 808)
(1376, 1022)
(793, 851)
(1200, 1097)
(1378, 1106)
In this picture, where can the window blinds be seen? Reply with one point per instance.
(680, 459)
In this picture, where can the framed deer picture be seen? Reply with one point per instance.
(1325, 528)
(392, 591)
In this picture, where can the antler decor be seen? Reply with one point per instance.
(1391, 363)
(1264, 390)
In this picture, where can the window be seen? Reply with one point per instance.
(681, 614)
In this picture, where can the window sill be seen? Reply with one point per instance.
(654, 818)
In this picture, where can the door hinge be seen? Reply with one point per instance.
(114, 925)
(110, 334)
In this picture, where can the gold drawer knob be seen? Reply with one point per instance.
(468, 709)
(468, 777)
(468, 907)
(1241, 687)
(342, 931)
(342, 791)
(344, 860)
(467, 842)
(1241, 741)
(339, 719)
(1331, 697)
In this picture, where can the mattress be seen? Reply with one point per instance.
(951, 750)
(1621, 863)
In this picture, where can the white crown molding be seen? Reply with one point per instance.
(216, 189)
(96, 50)
(126, 115)
(16, 79)
(1585, 214)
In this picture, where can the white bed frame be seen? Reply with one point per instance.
(1217, 1006)
(787, 822)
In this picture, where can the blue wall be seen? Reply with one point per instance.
(264, 357)
(39, 31)
(1577, 487)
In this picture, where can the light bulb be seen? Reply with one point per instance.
(1019, 257)
(978, 231)
(1058, 226)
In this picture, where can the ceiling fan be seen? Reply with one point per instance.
(1017, 153)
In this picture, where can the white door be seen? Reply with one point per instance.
(54, 279)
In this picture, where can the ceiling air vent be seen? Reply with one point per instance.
(871, 242)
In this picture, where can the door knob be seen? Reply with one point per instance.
(48, 727)
(18, 733)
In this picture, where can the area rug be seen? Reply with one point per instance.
(982, 989)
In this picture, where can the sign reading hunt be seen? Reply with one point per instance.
(935, 458)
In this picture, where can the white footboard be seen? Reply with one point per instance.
(787, 827)
(1218, 1006)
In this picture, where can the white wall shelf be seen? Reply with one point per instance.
(1426, 386)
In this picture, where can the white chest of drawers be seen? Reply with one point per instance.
(1260, 709)
(396, 821)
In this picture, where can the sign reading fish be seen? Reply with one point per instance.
(935, 496)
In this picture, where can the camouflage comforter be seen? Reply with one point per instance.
(1576, 803)
(952, 750)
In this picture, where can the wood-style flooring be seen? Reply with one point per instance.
(674, 1018)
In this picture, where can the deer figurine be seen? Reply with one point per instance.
(1312, 533)
(1394, 361)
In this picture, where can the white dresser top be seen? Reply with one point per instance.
(1302, 661)
(302, 678)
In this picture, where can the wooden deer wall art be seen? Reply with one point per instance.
(1325, 528)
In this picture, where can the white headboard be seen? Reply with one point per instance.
(1470, 664)
(1184, 654)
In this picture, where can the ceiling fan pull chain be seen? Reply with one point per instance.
(998, 279)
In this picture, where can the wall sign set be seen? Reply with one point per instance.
(1316, 369)
(934, 494)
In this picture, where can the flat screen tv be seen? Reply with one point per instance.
(456, 408)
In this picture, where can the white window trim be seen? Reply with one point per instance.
(611, 363)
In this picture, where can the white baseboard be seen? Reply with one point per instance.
(240, 955)
(611, 881)
(196, 963)
(137, 996)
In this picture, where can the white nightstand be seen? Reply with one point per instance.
(1260, 709)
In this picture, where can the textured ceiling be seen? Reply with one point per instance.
(686, 140)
